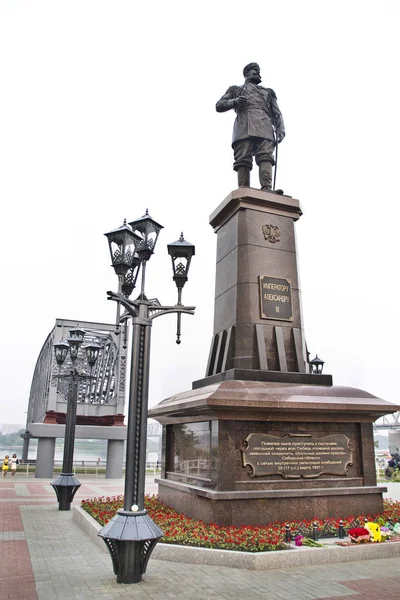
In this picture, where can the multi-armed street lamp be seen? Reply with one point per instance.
(131, 534)
(66, 483)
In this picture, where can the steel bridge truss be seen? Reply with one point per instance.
(388, 422)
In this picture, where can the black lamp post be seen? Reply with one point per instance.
(131, 535)
(316, 366)
(66, 484)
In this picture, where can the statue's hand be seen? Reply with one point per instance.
(280, 136)
(240, 102)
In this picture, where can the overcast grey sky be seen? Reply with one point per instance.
(107, 108)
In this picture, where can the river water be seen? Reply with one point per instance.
(83, 451)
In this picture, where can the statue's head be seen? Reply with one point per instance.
(251, 73)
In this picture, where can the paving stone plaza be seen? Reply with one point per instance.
(45, 555)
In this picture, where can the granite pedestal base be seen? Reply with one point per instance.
(262, 506)
(204, 474)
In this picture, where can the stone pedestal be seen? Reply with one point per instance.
(257, 322)
(218, 487)
(259, 439)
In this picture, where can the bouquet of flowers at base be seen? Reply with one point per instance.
(375, 531)
(359, 534)
(394, 528)
(298, 540)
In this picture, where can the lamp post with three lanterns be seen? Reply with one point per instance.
(131, 535)
(66, 483)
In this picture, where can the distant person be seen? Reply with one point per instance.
(14, 463)
(5, 465)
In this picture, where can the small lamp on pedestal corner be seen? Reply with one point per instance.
(316, 365)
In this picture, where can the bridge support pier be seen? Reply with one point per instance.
(45, 457)
(26, 436)
(115, 459)
(25, 449)
(47, 433)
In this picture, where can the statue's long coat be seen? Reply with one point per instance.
(259, 117)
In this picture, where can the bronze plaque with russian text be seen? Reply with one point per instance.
(297, 455)
(275, 298)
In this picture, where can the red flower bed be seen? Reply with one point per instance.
(182, 530)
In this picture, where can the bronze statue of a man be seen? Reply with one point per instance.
(257, 117)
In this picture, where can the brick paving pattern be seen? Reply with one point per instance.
(44, 556)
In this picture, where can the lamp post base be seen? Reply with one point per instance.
(65, 487)
(130, 538)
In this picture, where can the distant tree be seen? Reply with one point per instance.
(12, 439)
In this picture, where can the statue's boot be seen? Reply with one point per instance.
(265, 173)
(243, 176)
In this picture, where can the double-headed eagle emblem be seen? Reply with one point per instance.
(271, 233)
